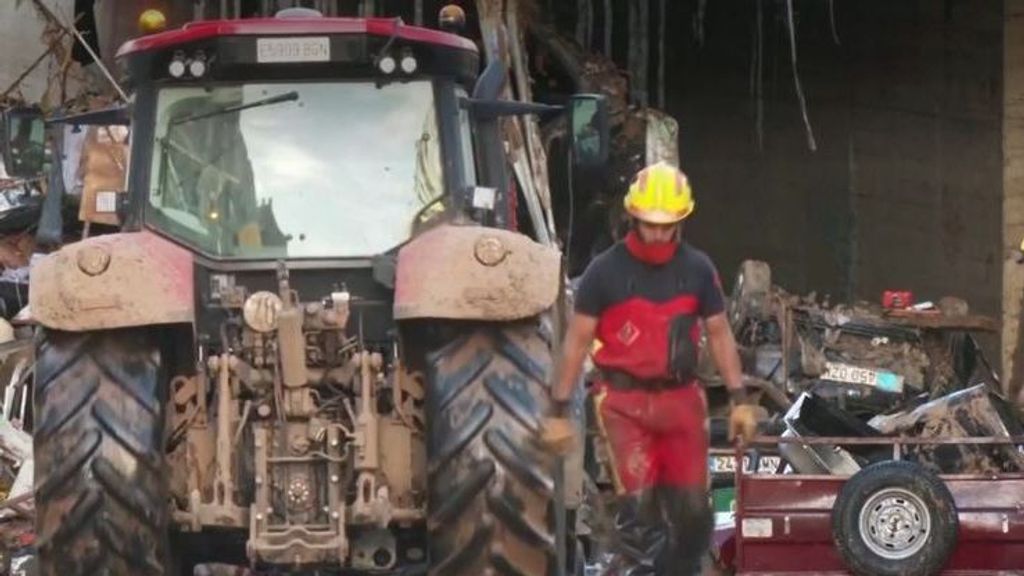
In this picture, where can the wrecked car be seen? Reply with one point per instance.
(863, 357)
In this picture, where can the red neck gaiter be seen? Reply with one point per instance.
(655, 253)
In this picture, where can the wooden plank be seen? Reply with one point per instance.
(939, 321)
(104, 162)
(18, 505)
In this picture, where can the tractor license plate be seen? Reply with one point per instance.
(299, 49)
(881, 379)
(727, 464)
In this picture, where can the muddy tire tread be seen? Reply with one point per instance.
(100, 486)
(490, 487)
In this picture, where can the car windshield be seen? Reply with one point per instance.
(297, 170)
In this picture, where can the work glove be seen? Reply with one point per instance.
(557, 435)
(743, 420)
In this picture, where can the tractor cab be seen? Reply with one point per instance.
(297, 137)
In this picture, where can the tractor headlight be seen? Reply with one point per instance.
(177, 66)
(197, 67)
(387, 64)
(409, 64)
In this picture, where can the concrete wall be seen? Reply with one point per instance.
(905, 188)
(1013, 182)
(926, 145)
(777, 201)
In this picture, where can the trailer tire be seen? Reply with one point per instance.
(100, 489)
(901, 495)
(490, 488)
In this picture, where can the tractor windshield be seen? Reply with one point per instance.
(297, 170)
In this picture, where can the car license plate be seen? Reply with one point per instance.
(881, 379)
(298, 49)
(727, 464)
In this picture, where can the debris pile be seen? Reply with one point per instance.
(891, 370)
(16, 468)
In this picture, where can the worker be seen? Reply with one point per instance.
(642, 299)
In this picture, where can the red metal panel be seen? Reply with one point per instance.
(276, 26)
(800, 511)
(790, 493)
(992, 558)
(1002, 492)
(991, 526)
(770, 557)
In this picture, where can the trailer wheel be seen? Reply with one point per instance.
(100, 484)
(490, 490)
(895, 519)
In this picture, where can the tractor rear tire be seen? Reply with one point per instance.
(490, 488)
(100, 487)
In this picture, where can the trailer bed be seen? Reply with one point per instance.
(784, 522)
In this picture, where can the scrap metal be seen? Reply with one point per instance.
(975, 412)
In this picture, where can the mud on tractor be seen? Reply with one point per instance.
(324, 328)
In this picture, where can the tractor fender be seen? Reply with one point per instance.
(113, 281)
(475, 273)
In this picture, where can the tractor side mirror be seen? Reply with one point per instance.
(24, 142)
(589, 130)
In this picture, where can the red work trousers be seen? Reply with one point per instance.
(658, 445)
(654, 438)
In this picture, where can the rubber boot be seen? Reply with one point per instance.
(687, 514)
(640, 536)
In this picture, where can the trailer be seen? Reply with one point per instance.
(890, 518)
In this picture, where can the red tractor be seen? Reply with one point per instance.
(323, 330)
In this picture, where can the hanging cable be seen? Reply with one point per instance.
(757, 74)
(832, 21)
(702, 7)
(790, 20)
(608, 18)
(662, 56)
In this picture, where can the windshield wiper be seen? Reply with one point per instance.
(286, 97)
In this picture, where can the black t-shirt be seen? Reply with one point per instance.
(615, 276)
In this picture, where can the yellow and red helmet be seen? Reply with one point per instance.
(660, 194)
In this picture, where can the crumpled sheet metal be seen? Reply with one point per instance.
(973, 412)
(812, 459)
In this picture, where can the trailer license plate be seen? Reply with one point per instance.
(756, 528)
(881, 379)
(727, 464)
(298, 49)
